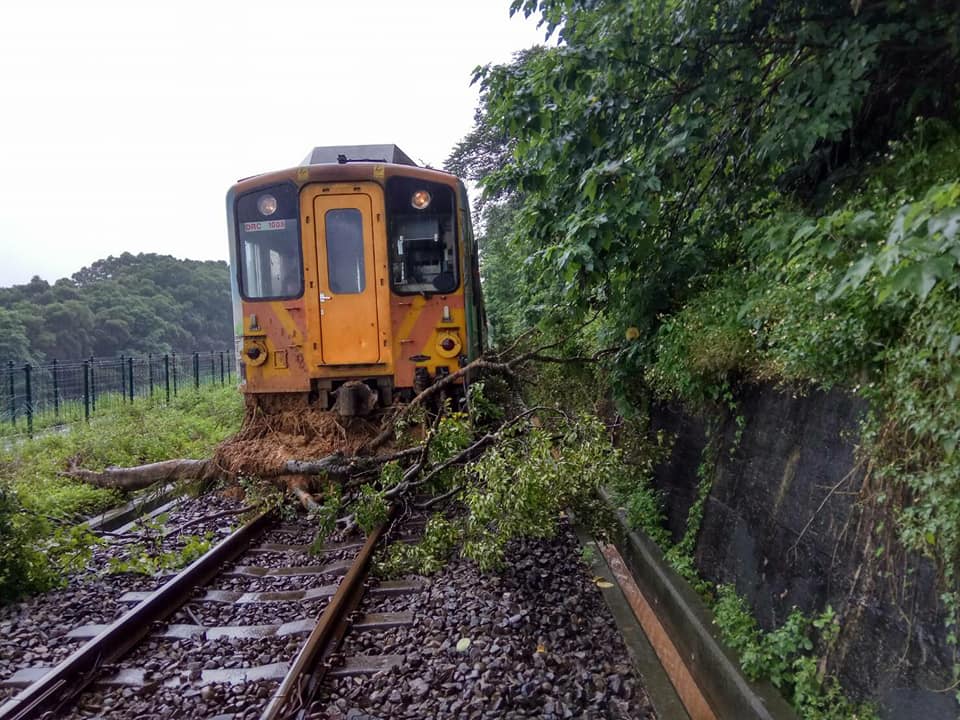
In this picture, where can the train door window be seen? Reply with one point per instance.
(423, 241)
(271, 265)
(344, 240)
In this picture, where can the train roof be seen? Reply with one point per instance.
(358, 153)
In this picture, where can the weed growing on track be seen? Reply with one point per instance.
(37, 545)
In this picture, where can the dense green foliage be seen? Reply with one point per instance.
(642, 143)
(787, 657)
(519, 488)
(38, 507)
(749, 191)
(132, 304)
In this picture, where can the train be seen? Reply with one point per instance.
(355, 280)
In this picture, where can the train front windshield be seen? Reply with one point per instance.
(423, 242)
(270, 260)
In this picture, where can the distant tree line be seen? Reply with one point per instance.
(131, 304)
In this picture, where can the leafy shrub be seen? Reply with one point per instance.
(922, 248)
(785, 656)
(371, 508)
(804, 338)
(22, 565)
(440, 540)
(701, 349)
(526, 481)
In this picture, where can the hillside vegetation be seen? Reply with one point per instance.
(738, 192)
(132, 304)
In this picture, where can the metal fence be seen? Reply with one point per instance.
(33, 397)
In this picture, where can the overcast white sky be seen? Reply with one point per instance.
(123, 123)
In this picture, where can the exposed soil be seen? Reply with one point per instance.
(267, 440)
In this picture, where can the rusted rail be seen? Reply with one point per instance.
(70, 677)
(298, 688)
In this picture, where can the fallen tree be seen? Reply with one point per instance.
(347, 472)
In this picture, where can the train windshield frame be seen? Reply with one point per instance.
(423, 242)
(269, 252)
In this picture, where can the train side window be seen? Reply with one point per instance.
(344, 238)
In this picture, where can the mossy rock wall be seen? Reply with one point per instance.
(792, 520)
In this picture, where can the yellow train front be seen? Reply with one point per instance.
(355, 279)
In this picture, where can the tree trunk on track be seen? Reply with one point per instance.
(136, 478)
(292, 476)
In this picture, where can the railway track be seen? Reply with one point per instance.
(114, 660)
(45, 689)
(261, 627)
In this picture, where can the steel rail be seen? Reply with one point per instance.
(303, 679)
(71, 676)
(145, 506)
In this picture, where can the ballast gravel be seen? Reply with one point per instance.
(536, 641)
(31, 631)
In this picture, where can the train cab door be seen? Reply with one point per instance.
(348, 272)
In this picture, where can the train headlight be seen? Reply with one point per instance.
(448, 345)
(420, 199)
(267, 205)
(255, 352)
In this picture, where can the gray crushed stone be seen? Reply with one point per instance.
(542, 645)
(31, 631)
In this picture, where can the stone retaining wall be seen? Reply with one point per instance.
(786, 524)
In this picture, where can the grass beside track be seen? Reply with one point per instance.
(37, 506)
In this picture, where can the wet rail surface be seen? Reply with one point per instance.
(47, 688)
(231, 637)
(288, 631)
(318, 657)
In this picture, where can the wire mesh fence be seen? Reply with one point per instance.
(35, 397)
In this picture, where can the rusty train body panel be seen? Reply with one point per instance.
(346, 271)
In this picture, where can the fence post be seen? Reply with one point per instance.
(230, 366)
(150, 371)
(13, 397)
(196, 370)
(174, 374)
(166, 374)
(56, 390)
(130, 368)
(213, 369)
(221, 368)
(93, 384)
(29, 393)
(123, 378)
(86, 390)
